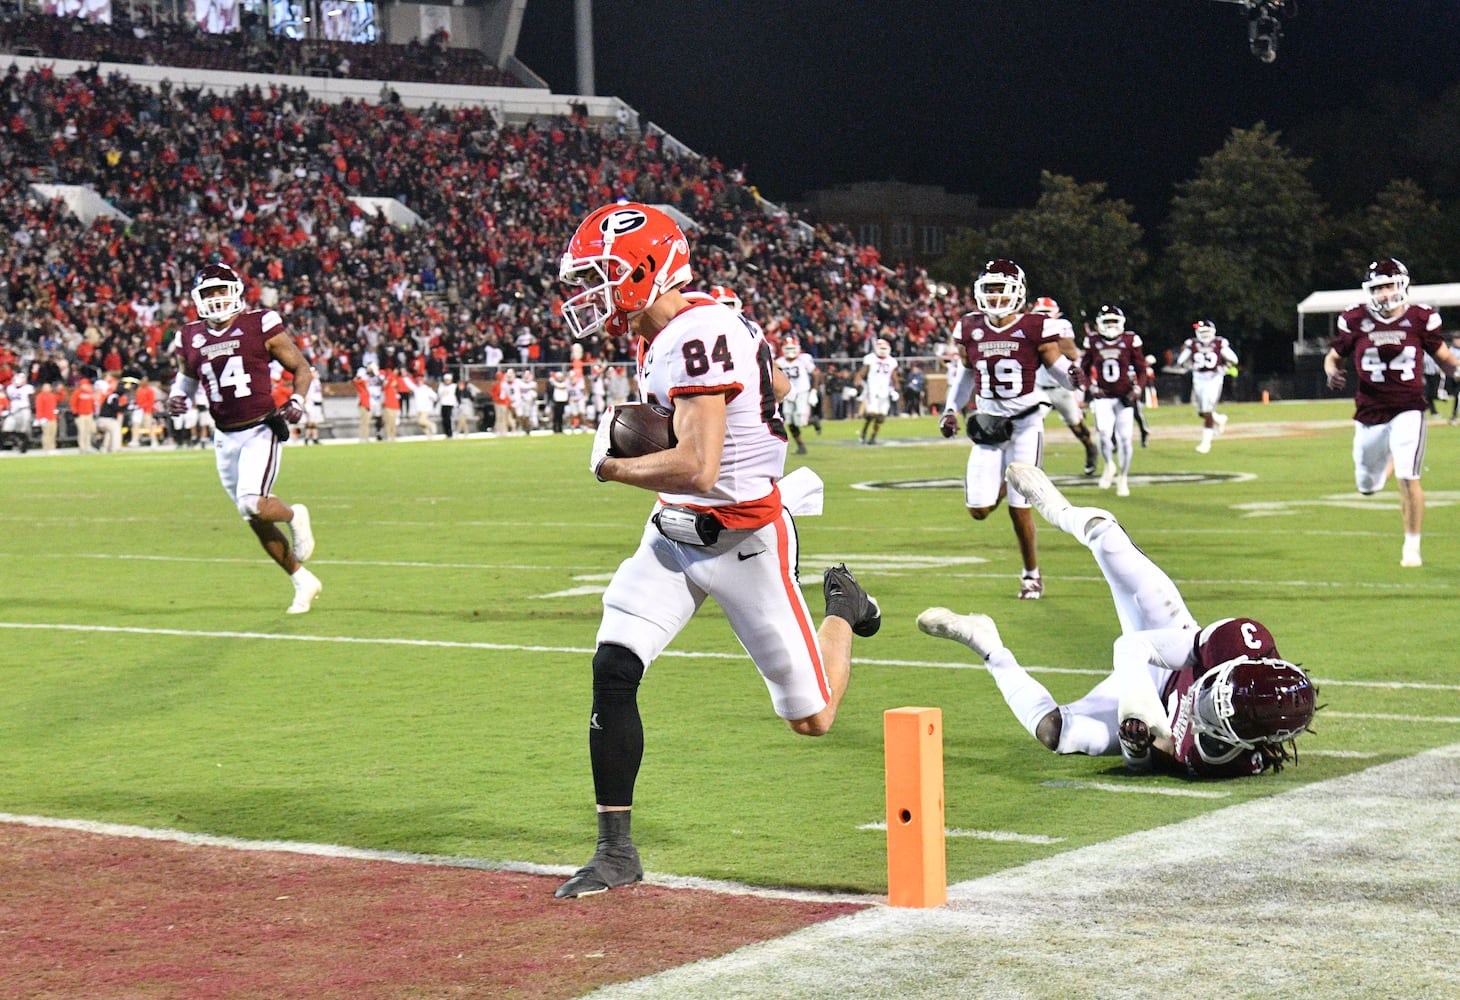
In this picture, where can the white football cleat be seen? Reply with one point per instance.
(977, 632)
(1107, 476)
(306, 589)
(1122, 485)
(1206, 443)
(1410, 557)
(1221, 419)
(1043, 496)
(303, 533)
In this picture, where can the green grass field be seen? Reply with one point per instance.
(436, 699)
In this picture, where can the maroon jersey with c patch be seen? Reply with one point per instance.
(233, 365)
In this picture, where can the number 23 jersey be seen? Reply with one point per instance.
(707, 349)
(232, 365)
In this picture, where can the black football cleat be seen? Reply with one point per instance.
(846, 599)
(610, 867)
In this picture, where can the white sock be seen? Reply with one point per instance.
(1025, 696)
(1072, 520)
(1082, 734)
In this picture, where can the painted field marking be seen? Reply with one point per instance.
(1003, 836)
(1383, 717)
(1105, 786)
(682, 654)
(408, 858)
(882, 565)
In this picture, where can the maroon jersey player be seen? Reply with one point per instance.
(226, 352)
(1213, 702)
(1387, 339)
(1115, 360)
(1003, 348)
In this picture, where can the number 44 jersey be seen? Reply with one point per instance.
(1389, 358)
(232, 365)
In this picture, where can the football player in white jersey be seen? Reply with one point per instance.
(720, 528)
(1064, 402)
(1208, 356)
(878, 381)
(800, 370)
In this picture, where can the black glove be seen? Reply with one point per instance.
(294, 409)
(177, 405)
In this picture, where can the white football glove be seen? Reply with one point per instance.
(602, 441)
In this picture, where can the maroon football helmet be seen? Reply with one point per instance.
(999, 289)
(1387, 284)
(1249, 702)
(218, 293)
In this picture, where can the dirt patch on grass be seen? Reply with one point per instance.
(102, 917)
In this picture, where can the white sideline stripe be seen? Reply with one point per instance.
(871, 564)
(1341, 753)
(1381, 716)
(684, 654)
(393, 563)
(999, 835)
(1107, 786)
(408, 858)
(1326, 889)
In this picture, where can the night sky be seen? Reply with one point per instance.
(979, 96)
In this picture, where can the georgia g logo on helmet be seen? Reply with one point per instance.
(616, 224)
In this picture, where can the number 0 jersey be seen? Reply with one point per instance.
(232, 365)
(707, 349)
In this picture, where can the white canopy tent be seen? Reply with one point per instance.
(1339, 300)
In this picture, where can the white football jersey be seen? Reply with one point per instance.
(1042, 378)
(798, 370)
(880, 371)
(706, 348)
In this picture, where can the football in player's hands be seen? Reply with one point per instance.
(639, 429)
(1135, 735)
(948, 424)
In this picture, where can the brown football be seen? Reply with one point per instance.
(640, 429)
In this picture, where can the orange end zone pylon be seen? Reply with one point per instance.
(917, 868)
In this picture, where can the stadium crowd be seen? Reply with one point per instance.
(262, 180)
(154, 39)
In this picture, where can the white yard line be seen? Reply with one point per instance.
(683, 654)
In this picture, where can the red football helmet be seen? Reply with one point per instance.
(218, 293)
(1206, 331)
(726, 296)
(999, 289)
(622, 258)
(1387, 283)
(1110, 322)
(1248, 702)
(1046, 306)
